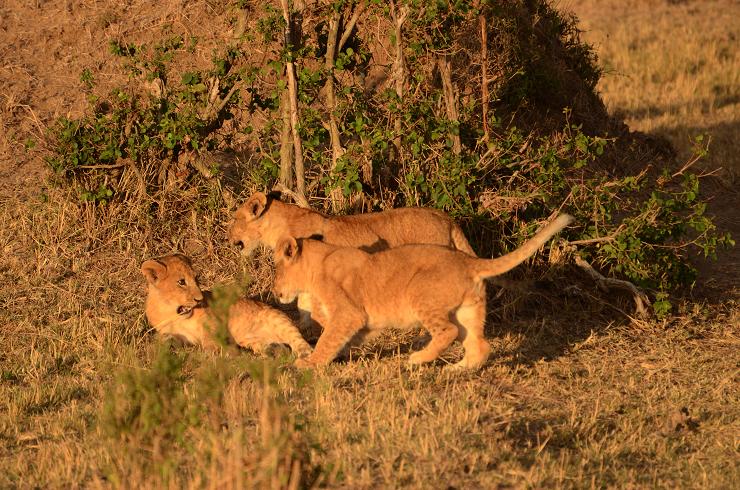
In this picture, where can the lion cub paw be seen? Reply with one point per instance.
(420, 357)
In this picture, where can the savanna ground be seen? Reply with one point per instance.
(577, 393)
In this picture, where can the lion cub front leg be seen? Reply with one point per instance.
(341, 322)
(310, 328)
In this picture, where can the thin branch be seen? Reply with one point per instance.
(286, 143)
(592, 240)
(293, 95)
(484, 73)
(299, 199)
(399, 67)
(605, 284)
(336, 145)
(690, 163)
(228, 96)
(448, 88)
(102, 167)
(214, 108)
(350, 25)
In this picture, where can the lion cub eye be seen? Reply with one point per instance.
(181, 282)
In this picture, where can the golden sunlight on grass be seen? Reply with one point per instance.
(671, 68)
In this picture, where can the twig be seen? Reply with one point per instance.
(299, 199)
(484, 73)
(690, 163)
(593, 240)
(445, 72)
(135, 170)
(102, 167)
(606, 283)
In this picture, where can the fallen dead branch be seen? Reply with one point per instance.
(642, 303)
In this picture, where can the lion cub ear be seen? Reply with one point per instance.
(256, 204)
(153, 270)
(288, 248)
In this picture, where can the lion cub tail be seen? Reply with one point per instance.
(500, 265)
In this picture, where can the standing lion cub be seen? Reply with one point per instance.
(353, 292)
(176, 306)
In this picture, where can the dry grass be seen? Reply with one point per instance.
(573, 398)
(672, 68)
(576, 394)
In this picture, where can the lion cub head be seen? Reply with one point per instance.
(290, 276)
(172, 286)
(253, 224)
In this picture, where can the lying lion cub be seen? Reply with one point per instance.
(353, 292)
(176, 306)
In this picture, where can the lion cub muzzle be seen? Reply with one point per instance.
(281, 291)
(285, 263)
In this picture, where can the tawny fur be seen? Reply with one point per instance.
(176, 306)
(352, 291)
(264, 219)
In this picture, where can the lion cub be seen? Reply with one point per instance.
(265, 219)
(353, 292)
(176, 306)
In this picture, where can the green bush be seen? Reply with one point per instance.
(414, 136)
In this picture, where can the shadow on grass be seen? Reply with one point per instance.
(547, 317)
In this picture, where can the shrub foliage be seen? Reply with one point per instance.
(485, 109)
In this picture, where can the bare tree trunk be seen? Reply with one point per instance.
(293, 96)
(399, 67)
(367, 167)
(286, 143)
(448, 89)
(337, 198)
(484, 73)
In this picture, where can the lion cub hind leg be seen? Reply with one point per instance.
(284, 331)
(470, 320)
(443, 334)
(256, 326)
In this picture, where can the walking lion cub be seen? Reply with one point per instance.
(176, 306)
(353, 292)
